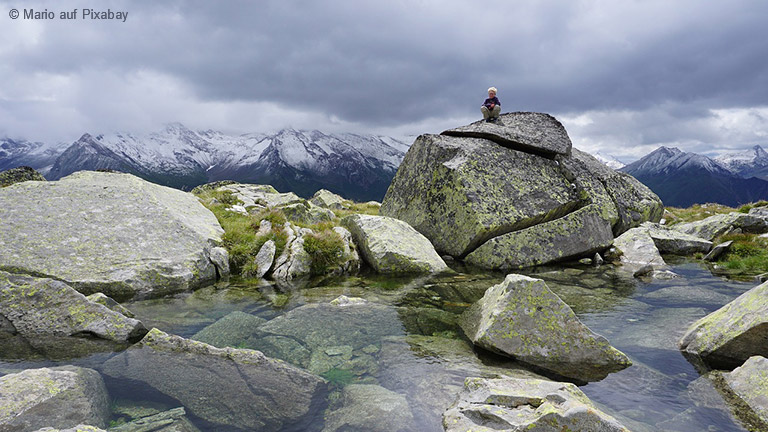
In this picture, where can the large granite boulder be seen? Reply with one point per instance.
(392, 246)
(61, 397)
(747, 389)
(239, 388)
(370, 408)
(514, 404)
(328, 199)
(730, 335)
(523, 319)
(18, 175)
(638, 250)
(111, 233)
(722, 224)
(39, 306)
(514, 194)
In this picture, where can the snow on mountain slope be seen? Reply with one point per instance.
(610, 161)
(748, 163)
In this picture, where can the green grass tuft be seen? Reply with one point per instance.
(326, 249)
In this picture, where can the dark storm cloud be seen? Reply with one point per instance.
(397, 62)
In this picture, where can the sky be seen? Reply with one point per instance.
(624, 77)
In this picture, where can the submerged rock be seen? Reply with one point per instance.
(523, 319)
(38, 306)
(230, 387)
(18, 175)
(392, 246)
(78, 428)
(60, 397)
(174, 420)
(747, 388)
(730, 335)
(514, 194)
(110, 233)
(370, 408)
(230, 331)
(512, 405)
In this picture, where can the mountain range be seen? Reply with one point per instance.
(357, 166)
(682, 179)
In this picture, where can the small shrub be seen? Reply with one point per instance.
(326, 250)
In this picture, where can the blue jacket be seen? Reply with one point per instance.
(490, 101)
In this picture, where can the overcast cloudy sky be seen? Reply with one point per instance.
(623, 76)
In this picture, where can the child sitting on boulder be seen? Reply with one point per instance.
(491, 107)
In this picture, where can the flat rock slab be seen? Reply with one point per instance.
(730, 335)
(523, 319)
(748, 385)
(533, 132)
(230, 387)
(392, 246)
(514, 405)
(60, 397)
(110, 233)
(675, 242)
(722, 224)
(39, 306)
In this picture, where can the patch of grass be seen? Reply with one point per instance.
(748, 253)
(326, 248)
(358, 208)
(747, 207)
(696, 212)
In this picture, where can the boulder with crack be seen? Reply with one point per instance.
(111, 233)
(523, 319)
(513, 405)
(514, 194)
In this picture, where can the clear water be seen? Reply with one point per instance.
(410, 343)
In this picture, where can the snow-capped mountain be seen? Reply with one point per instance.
(40, 156)
(747, 163)
(357, 166)
(682, 179)
(609, 160)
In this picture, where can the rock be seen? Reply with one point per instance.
(212, 186)
(721, 224)
(512, 404)
(533, 132)
(747, 387)
(220, 259)
(761, 212)
(102, 232)
(718, 250)
(169, 421)
(305, 214)
(638, 251)
(265, 258)
(353, 263)
(669, 241)
(229, 387)
(294, 261)
(38, 306)
(523, 319)
(103, 300)
(505, 208)
(328, 199)
(598, 260)
(730, 335)
(392, 246)
(585, 261)
(264, 195)
(761, 278)
(371, 408)
(313, 328)
(60, 397)
(265, 227)
(18, 175)
(230, 331)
